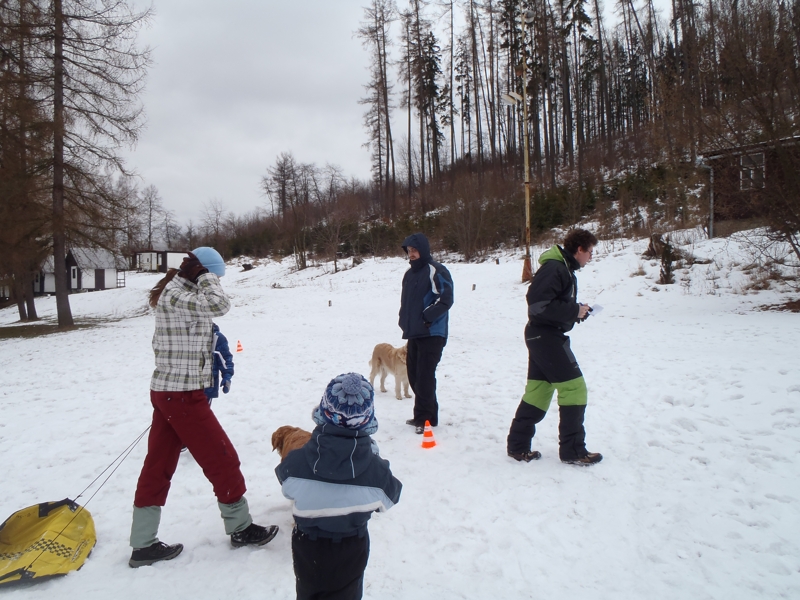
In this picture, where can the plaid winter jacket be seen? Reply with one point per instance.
(183, 337)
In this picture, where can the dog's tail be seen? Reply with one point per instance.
(376, 367)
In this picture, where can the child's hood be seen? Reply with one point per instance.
(338, 454)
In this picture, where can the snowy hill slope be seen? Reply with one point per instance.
(694, 401)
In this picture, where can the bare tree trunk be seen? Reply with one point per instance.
(19, 297)
(476, 82)
(605, 100)
(579, 113)
(566, 109)
(422, 113)
(452, 85)
(27, 291)
(492, 100)
(59, 230)
(484, 79)
(390, 166)
(408, 105)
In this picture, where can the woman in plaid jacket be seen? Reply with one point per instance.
(186, 301)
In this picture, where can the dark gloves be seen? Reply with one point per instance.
(226, 386)
(192, 268)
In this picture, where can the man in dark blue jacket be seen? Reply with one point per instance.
(424, 304)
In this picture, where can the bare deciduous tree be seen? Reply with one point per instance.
(214, 215)
(91, 72)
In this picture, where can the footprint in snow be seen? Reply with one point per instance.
(686, 424)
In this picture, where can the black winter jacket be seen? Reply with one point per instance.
(427, 293)
(552, 295)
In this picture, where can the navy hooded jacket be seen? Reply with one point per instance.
(223, 362)
(336, 481)
(427, 293)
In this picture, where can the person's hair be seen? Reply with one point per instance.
(155, 293)
(579, 238)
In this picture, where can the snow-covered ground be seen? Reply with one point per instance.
(694, 401)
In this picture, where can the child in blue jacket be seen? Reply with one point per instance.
(336, 481)
(223, 365)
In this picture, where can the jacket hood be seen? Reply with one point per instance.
(338, 454)
(556, 252)
(420, 242)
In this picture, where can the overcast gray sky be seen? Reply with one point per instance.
(236, 83)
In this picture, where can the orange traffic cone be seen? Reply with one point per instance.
(239, 346)
(427, 437)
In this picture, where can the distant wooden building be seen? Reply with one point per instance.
(743, 178)
(159, 261)
(87, 269)
(5, 289)
(44, 282)
(94, 269)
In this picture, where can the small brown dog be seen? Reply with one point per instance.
(388, 359)
(288, 438)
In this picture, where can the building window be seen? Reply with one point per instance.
(752, 171)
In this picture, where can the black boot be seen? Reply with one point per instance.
(141, 557)
(253, 535)
(591, 458)
(526, 456)
(522, 430)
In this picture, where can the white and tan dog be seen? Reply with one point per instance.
(388, 359)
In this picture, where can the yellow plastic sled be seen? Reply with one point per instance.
(45, 540)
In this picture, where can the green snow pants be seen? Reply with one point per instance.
(551, 368)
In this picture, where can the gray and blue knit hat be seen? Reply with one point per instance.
(348, 403)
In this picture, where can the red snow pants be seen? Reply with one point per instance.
(185, 419)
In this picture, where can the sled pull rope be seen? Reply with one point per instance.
(118, 460)
(125, 452)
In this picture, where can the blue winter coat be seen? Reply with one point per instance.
(336, 481)
(223, 362)
(427, 293)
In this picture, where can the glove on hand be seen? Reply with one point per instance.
(192, 268)
(226, 386)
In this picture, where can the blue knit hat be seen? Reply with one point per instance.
(210, 259)
(348, 403)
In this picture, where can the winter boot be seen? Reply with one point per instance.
(159, 551)
(590, 459)
(418, 427)
(253, 535)
(526, 456)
